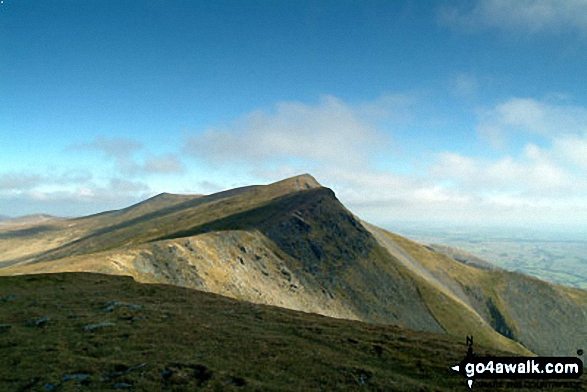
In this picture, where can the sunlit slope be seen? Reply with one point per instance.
(302, 250)
(547, 319)
(128, 228)
(293, 244)
(34, 241)
(463, 256)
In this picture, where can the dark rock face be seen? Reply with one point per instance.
(330, 249)
(320, 233)
(498, 321)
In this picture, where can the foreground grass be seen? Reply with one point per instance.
(81, 331)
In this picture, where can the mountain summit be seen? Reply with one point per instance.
(292, 244)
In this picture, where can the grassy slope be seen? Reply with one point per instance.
(28, 243)
(548, 319)
(166, 337)
(456, 315)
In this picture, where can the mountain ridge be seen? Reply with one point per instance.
(293, 244)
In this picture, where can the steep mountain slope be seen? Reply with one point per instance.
(293, 244)
(548, 319)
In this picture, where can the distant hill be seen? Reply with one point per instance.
(463, 256)
(26, 219)
(293, 244)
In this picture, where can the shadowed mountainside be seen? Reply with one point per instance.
(293, 244)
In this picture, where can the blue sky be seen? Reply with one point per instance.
(443, 111)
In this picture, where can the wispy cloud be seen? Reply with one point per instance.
(530, 16)
(22, 181)
(527, 115)
(343, 144)
(124, 153)
(340, 143)
(19, 181)
(81, 199)
(573, 149)
(328, 133)
(533, 174)
(464, 85)
(163, 164)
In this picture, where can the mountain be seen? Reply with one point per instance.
(292, 244)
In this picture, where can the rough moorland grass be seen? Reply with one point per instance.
(81, 331)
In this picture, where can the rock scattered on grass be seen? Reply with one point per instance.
(42, 322)
(8, 298)
(109, 306)
(81, 377)
(179, 373)
(236, 381)
(91, 327)
(5, 327)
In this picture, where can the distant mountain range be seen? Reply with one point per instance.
(292, 244)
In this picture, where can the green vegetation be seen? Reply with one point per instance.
(293, 244)
(94, 332)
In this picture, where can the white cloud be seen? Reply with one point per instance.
(540, 184)
(123, 151)
(536, 174)
(78, 200)
(164, 164)
(22, 181)
(573, 149)
(531, 16)
(19, 181)
(119, 149)
(527, 115)
(341, 145)
(330, 133)
(398, 107)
